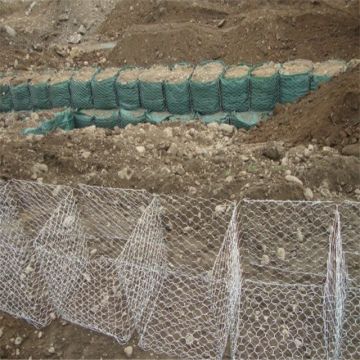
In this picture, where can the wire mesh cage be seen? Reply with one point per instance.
(282, 312)
(78, 248)
(24, 208)
(195, 286)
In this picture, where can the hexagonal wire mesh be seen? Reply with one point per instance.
(350, 230)
(194, 277)
(283, 309)
(24, 209)
(78, 248)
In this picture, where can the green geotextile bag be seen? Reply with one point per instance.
(293, 86)
(246, 120)
(100, 118)
(177, 95)
(220, 118)
(40, 96)
(60, 93)
(132, 117)
(5, 99)
(80, 92)
(83, 120)
(183, 118)
(317, 79)
(235, 92)
(263, 91)
(63, 120)
(21, 97)
(154, 117)
(128, 96)
(104, 93)
(152, 96)
(206, 95)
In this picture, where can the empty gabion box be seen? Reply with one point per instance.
(190, 265)
(78, 248)
(286, 308)
(24, 209)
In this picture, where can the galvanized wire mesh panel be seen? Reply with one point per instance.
(198, 279)
(284, 249)
(78, 249)
(24, 208)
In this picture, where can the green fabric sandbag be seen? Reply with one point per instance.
(127, 94)
(154, 117)
(183, 118)
(59, 92)
(246, 120)
(152, 95)
(80, 89)
(63, 120)
(107, 119)
(103, 92)
(20, 95)
(294, 85)
(5, 98)
(177, 94)
(220, 118)
(206, 95)
(40, 95)
(317, 79)
(83, 120)
(263, 90)
(235, 90)
(132, 117)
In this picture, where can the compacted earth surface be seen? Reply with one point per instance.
(308, 150)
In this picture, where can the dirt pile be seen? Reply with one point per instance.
(330, 115)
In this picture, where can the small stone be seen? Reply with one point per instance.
(86, 154)
(189, 339)
(297, 342)
(1, 332)
(229, 129)
(28, 270)
(140, 149)
(214, 125)
(299, 235)
(93, 251)
(82, 29)
(64, 17)
(173, 149)
(40, 168)
(308, 194)
(40, 334)
(180, 170)
(87, 277)
(294, 179)
(307, 153)
(17, 352)
(10, 30)
(131, 8)
(285, 332)
(192, 191)
(75, 39)
(126, 173)
(128, 351)
(220, 209)
(18, 340)
(351, 150)
(51, 350)
(281, 253)
(285, 161)
(221, 23)
(69, 221)
(265, 260)
(52, 316)
(288, 172)
(272, 150)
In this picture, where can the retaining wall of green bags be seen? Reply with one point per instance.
(247, 93)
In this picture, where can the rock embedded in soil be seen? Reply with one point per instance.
(272, 150)
(293, 179)
(351, 150)
(281, 253)
(128, 351)
(10, 31)
(18, 340)
(265, 260)
(229, 129)
(308, 194)
(51, 350)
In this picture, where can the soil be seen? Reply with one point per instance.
(207, 72)
(329, 68)
(236, 71)
(266, 70)
(84, 74)
(296, 67)
(60, 76)
(107, 74)
(180, 158)
(179, 74)
(156, 73)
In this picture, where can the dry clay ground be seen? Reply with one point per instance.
(310, 136)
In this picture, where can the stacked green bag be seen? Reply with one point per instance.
(183, 118)
(63, 120)
(80, 88)
(59, 90)
(295, 77)
(152, 95)
(246, 120)
(20, 92)
(177, 89)
(264, 87)
(83, 120)
(5, 95)
(39, 91)
(103, 89)
(220, 118)
(133, 117)
(206, 93)
(107, 119)
(235, 84)
(127, 88)
(154, 117)
(324, 71)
